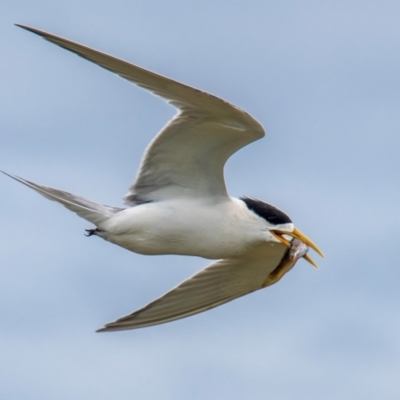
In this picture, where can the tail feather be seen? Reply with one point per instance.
(87, 209)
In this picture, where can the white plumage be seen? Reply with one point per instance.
(179, 203)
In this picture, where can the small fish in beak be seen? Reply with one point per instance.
(297, 250)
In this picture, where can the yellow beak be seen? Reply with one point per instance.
(297, 234)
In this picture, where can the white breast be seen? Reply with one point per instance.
(204, 228)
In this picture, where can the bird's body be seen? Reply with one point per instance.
(179, 204)
(196, 227)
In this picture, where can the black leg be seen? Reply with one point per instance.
(92, 231)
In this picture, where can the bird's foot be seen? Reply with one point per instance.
(92, 231)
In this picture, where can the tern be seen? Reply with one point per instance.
(179, 203)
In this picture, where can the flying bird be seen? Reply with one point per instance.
(179, 203)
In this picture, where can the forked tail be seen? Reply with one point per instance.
(87, 209)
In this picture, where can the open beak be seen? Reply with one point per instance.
(297, 234)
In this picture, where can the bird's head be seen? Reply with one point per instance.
(281, 226)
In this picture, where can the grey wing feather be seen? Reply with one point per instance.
(187, 157)
(180, 95)
(217, 284)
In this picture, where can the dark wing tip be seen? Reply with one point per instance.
(26, 27)
(16, 177)
(106, 328)
(43, 34)
(112, 328)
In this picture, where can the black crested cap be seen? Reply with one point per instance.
(266, 211)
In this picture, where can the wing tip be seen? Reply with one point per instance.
(16, 177)
(106, 328)
(43, 34)
(26, 27)
(112, 327)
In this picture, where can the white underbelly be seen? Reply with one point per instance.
(210, 232)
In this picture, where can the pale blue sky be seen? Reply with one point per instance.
(323, 78)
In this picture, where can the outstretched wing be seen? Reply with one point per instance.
(187, 157)
(220, 282)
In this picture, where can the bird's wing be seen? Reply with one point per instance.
(187, 157)
(220, 282)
